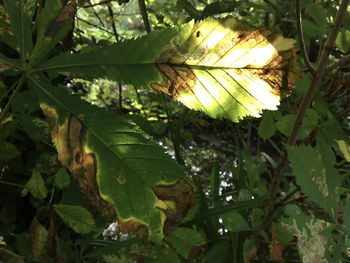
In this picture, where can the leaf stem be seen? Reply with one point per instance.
(12, 97)
(316, 80)
(301, 38)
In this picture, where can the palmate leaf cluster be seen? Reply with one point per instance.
(80, 166)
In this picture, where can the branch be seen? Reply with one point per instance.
(143, 10)
(91, 24)
(341, 62)
(301, 38)
(316, 80)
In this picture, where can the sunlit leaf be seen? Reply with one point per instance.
(218, 66)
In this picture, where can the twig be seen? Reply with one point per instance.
(143, 11)
(96, 14)
(301, 38)
(341, 62)
(320, 70)
(115, 33)
(91, 24)
(100, 3)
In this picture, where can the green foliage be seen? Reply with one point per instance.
(36, 186)
(76, 217)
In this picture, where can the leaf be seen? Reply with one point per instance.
(267, 127)
(218, 66)
(38, 238)
(311, 233)
(235, 222)
(21, 25)
(317, 178)
(285, 124)
(76, 217)
(36, 185)
(336, 137)
(217, 254)
(184, 238)
(62, 179)
(317, 13)
(101, 147)
(8, 151)
(53, 25)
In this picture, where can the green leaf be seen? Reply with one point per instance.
(21, 25)
(8, 151)
(62, 179)
(235, 222)
(317, 177)
(217, 254)
(336, 137)
(286, 123)
(52, 27)
(36, 186)
(76, 217)
(218, 66)
(105, 147)
(165, 254)
(267, 127)
(184, 238)
(317, 13)
(9, 63)
(343, 40)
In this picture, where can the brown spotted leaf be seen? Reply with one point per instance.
(114, 162)
(218, 66)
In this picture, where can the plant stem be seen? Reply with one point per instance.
(316, 80)
(13, 95)
(12, 184)
(301, 38)
(341, 62)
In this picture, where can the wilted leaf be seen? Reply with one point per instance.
(218, 66)
(38, 237)
(76, 217)
(310, 233)
(112, 159)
